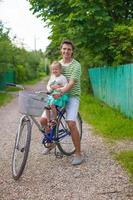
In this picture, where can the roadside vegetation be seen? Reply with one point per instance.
(125, 158)
(111, 125)
(5, 98)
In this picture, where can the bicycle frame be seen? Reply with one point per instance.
(50, 137)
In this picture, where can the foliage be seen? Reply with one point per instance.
(20, 74)
(27, 65)
(5, 49)
(121, 44)
(94, 27)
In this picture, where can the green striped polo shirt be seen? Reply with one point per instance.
(72, 71)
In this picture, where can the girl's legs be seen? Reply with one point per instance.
(53, 108)
(48, 116)
(44, 123)
(45, 119)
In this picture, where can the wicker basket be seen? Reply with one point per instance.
(31, 103)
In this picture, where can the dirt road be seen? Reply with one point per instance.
(50, 178)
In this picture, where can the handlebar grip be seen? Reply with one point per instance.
(42, 92)
(11, 84)
(15, 85)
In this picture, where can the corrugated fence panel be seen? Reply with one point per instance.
(114, 86)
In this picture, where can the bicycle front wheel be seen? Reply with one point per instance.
(65, 143)
(21, 148)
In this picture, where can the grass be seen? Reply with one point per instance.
(108, 122)
(12, 89)
(125, 158)
(5, 98)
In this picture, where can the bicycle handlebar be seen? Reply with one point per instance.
(15, 85)
(22, 87)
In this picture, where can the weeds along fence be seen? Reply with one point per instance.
(114, 86)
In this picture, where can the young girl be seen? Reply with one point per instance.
(56, 81)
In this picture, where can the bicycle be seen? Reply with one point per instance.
(31, 105)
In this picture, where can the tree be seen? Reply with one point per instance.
(91, 24)
(5, 49)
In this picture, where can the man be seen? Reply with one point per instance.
(72, 71)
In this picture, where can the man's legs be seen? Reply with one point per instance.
(71, 116)
(75, 137)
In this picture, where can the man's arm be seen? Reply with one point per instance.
(65, 89)
(68, 87)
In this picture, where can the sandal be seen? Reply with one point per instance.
(47, 128)
(53, 122)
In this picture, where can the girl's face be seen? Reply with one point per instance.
(55, 69)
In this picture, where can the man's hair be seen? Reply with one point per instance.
(68, 42)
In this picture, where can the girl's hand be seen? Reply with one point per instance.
(54, 87)
(56, 96)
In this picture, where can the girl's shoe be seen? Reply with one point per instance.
(48, 149)
(53, 123)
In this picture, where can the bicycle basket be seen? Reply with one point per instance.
(31, 103)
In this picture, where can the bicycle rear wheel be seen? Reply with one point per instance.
(65, 143)
(21, 148)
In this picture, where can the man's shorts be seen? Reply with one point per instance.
(71, 109)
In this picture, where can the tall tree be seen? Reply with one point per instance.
(5, 48)
(91, 24)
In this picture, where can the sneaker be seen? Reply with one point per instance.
(48, 150)
(77, 160)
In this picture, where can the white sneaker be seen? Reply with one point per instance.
(77, 160)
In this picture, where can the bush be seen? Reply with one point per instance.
(21, 74)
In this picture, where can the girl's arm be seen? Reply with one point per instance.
(49, 89)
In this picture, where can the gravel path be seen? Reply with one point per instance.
(51, 178)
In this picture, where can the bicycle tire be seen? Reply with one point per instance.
(65, 145)
(21, 147)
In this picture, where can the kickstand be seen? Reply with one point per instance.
(58, 154)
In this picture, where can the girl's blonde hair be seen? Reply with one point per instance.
(56, 63)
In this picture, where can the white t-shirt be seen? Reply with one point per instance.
(56, 80)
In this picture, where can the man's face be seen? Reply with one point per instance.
(66, 51)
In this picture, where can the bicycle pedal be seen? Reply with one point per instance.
(59, 155)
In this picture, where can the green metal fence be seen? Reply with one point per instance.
(114, 86)
(8, 76)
